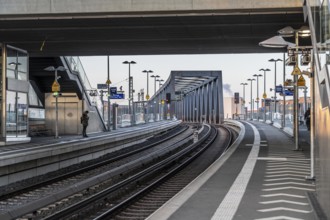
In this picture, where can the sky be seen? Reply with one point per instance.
(236, 69)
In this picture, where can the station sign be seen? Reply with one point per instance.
(113, 91)
(117, 96)
(279, 89)
(288, 93)
(102, 86)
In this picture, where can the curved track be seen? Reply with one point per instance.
(150, 198)
(165, 170)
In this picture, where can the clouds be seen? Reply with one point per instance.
(227, 89)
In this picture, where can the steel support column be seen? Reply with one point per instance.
(200, 105)
(209, 94)
(217, 101)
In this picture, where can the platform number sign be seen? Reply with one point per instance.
(236, 97)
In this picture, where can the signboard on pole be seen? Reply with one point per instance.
(288, 93)
(117, 96)
(301, 81)
(296, 71)
(102, 86)
(279, 89)
(236, 97)
(56, 87)
(113, 91)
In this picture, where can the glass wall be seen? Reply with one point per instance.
(16, 64)
(16, 114)
(1, 85)
(321, 18)
(15, 107)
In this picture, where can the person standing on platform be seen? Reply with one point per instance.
(84, 121)
(307, 117)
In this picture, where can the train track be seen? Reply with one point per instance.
(31, 198)
(162, 176)
(144, 203)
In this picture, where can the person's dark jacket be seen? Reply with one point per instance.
(84, 118)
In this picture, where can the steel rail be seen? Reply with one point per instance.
(87, 168)
(169, 174)
(146, 172)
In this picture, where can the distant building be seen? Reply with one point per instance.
(231, 109)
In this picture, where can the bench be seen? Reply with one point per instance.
(39, 130)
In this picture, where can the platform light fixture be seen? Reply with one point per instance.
(251, 98)
(275, 61)
(244, 84)
(257, 100)
(288, 31)
(276, 42)
(59, 68)
(159, 82)
(147, 71)
(130, 83)
(155, 77)
(147, 95)
(264, 96)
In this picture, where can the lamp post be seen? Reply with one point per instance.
(159, 100)
(257, 75)
(275, 61)
(155, 77)
(265, 94)
(290, 32)
(56, 89)
(147, 95)
(251, 98)
(108, 85)
(130, 85)
(283, 91)
(147, 71)
(159, 82)
(244, 84)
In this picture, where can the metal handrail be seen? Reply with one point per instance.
(76, 67)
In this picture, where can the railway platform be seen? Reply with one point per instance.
(45, 154)
(261, 177)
